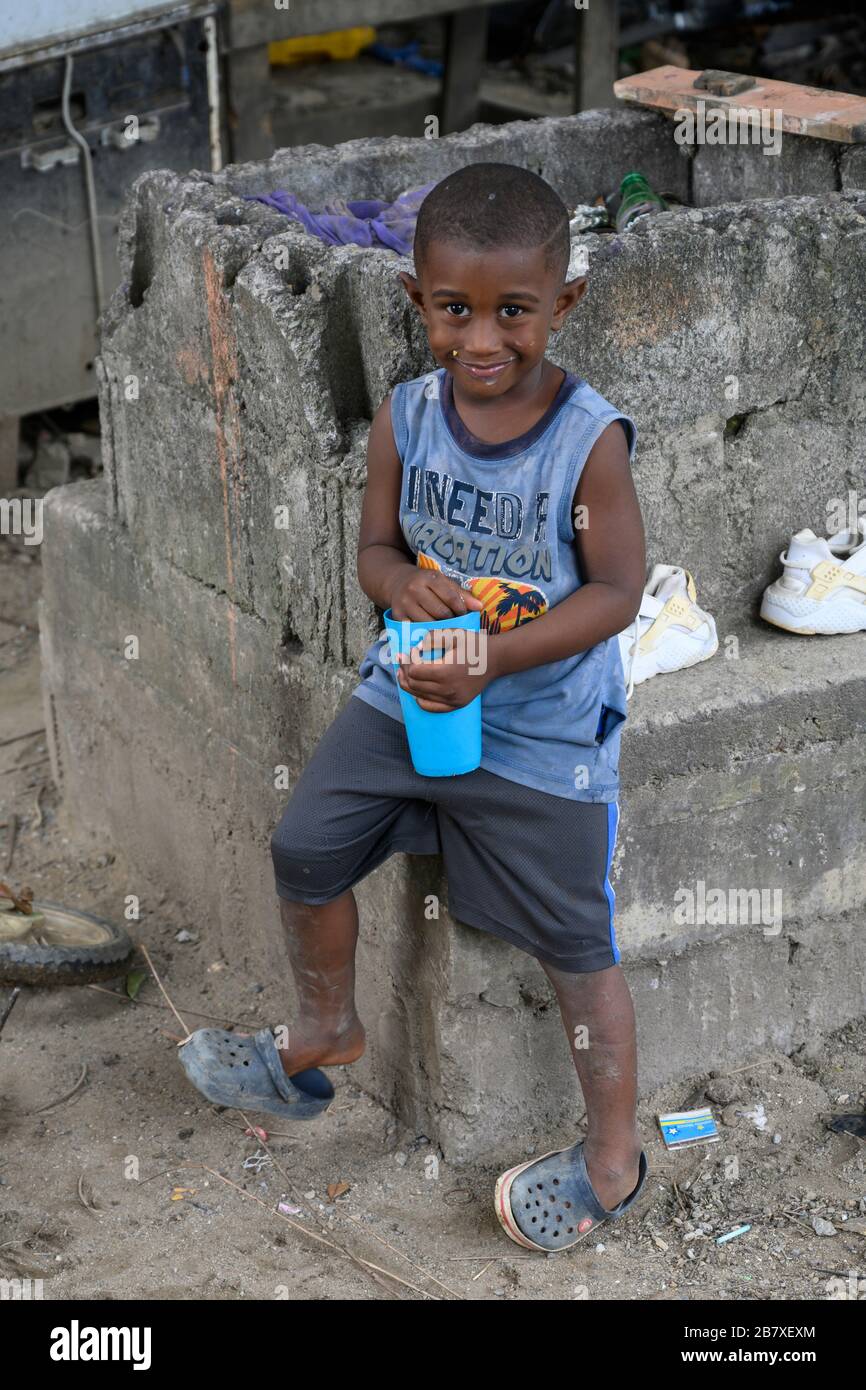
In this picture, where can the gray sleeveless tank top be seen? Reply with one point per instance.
(497, 518)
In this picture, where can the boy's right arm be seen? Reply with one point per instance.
(387, 571)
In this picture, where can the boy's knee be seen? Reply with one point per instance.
(301, 869)
(287, 853)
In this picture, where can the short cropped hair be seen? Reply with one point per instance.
(487, 206)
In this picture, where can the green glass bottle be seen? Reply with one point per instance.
(637, 199)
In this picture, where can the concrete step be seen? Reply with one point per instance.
(744, 773)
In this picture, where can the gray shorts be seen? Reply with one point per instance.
(528, 866)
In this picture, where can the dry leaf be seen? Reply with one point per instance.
(336, 1189)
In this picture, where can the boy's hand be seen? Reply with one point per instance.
(455, 678)
(422, 594)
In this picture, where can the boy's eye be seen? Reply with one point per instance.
(459, 308)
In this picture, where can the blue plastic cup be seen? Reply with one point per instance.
(440, 745)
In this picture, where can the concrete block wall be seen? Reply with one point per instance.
(241, 364)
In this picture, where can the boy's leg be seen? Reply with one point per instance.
(598, 1017)
(357, 801)
(320, 942)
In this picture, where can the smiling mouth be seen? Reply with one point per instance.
(488, 372)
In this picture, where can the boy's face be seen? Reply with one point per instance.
(496, 308)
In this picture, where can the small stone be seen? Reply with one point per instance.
(185, 1133)
(400, 1159)
(822, 1227)
(183, 935)
(723, 1090)
(309, 1196)
(777, 1138)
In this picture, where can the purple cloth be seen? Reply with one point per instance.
(364, 222)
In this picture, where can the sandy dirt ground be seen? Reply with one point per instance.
(117, 1181)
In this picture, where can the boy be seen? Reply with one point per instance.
(498, 483)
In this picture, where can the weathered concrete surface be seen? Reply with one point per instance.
(737, 173)
(241, 364)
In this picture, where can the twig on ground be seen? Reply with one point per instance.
(82, 1197)
(25, 767)
(761, 1062)
(504, 1256)
(366, 1265)
(55, 1104)
(27, 1241)
(402, 1256)
(798, 1219)
(679, 1198)
(150, 1004)
(37, 806)
(349, 1217)
(146, 954)
(10, 1004)
(16, 738)
(272, 1133)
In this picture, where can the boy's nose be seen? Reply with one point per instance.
(482, 345)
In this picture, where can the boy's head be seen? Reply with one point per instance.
(485, 207)
(492, 249)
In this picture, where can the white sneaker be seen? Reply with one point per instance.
(670, 631)
(823, 584)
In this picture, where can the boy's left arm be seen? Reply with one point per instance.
(613, 563)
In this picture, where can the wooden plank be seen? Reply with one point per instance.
(253, 22)
(596, 57)
(805, 110)
(465, 51)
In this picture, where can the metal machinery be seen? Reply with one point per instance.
(92, 93)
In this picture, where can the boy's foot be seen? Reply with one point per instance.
(612, 1178)
(312, 1046)
(550, 1203)
(245, 1072)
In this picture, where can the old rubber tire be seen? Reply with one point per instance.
(104, 953)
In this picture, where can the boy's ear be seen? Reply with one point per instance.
(571, 292)
(413, 289)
